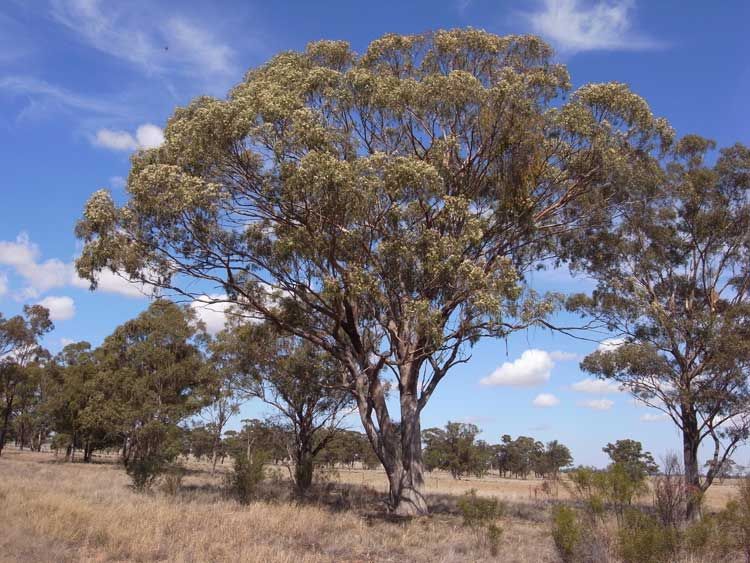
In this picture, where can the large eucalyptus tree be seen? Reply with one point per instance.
(383, 206)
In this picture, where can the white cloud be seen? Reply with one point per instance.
(40, 276)
(211, 312)
(545, 400)
(561, 356)
(610, 344)
(65, 341)
(533, 368)
(577, 25)
(60, 308)
(595, 386)
(155, 43)
(147, 136)
(598, 404)
(651, 417)
(3, 284)
(110, 282)
(23, 256)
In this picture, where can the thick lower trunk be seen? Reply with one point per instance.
(409, 499)
(303, 471)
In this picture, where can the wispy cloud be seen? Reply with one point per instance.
(596, 386)
(154, 44)
(576, 25)
(598, 404)
(44, 94)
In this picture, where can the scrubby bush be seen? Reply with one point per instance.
(246, 476)
(566, 532)
(643, 539)
(670, 493)
(171, 482)
(154, 448)
(483, 513)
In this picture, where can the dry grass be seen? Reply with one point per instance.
(55, 511)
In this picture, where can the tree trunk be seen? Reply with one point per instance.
(410, 500)
(690, 443)
(6, 422)
(303, 470)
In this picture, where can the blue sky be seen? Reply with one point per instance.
(83, 83)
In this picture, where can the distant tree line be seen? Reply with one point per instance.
(455, 449)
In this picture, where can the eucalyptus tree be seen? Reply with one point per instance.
(152, 377)
(454, 449)
(673, 281)
(19, 350)
(384, 206)
(301, 382)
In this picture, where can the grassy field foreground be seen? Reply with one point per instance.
(53, 511)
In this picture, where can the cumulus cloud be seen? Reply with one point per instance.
(544, 400)
(24, 257)
(577, 25)
(60, 308)
(595, 386)
(533, 368)
(210, 309)
(598, 404)
(610, 344)
(147, 136)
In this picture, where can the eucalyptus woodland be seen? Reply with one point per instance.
(382, 206)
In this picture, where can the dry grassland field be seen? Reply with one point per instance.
(56, 511)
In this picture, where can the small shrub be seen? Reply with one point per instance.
(246, 477)
(566, 532)
(698, 536)
(494, 535)
(479, 511)
(670, 494)
(482, 513)
(643, 539)
(172, 480)
(144, 471)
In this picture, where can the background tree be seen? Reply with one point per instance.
(555, 457)
(301, 382)
(19, 350)
(74, 371)
(673, 280)
(151, 379)
(391, 202)
(454, 449)
(629, 453)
